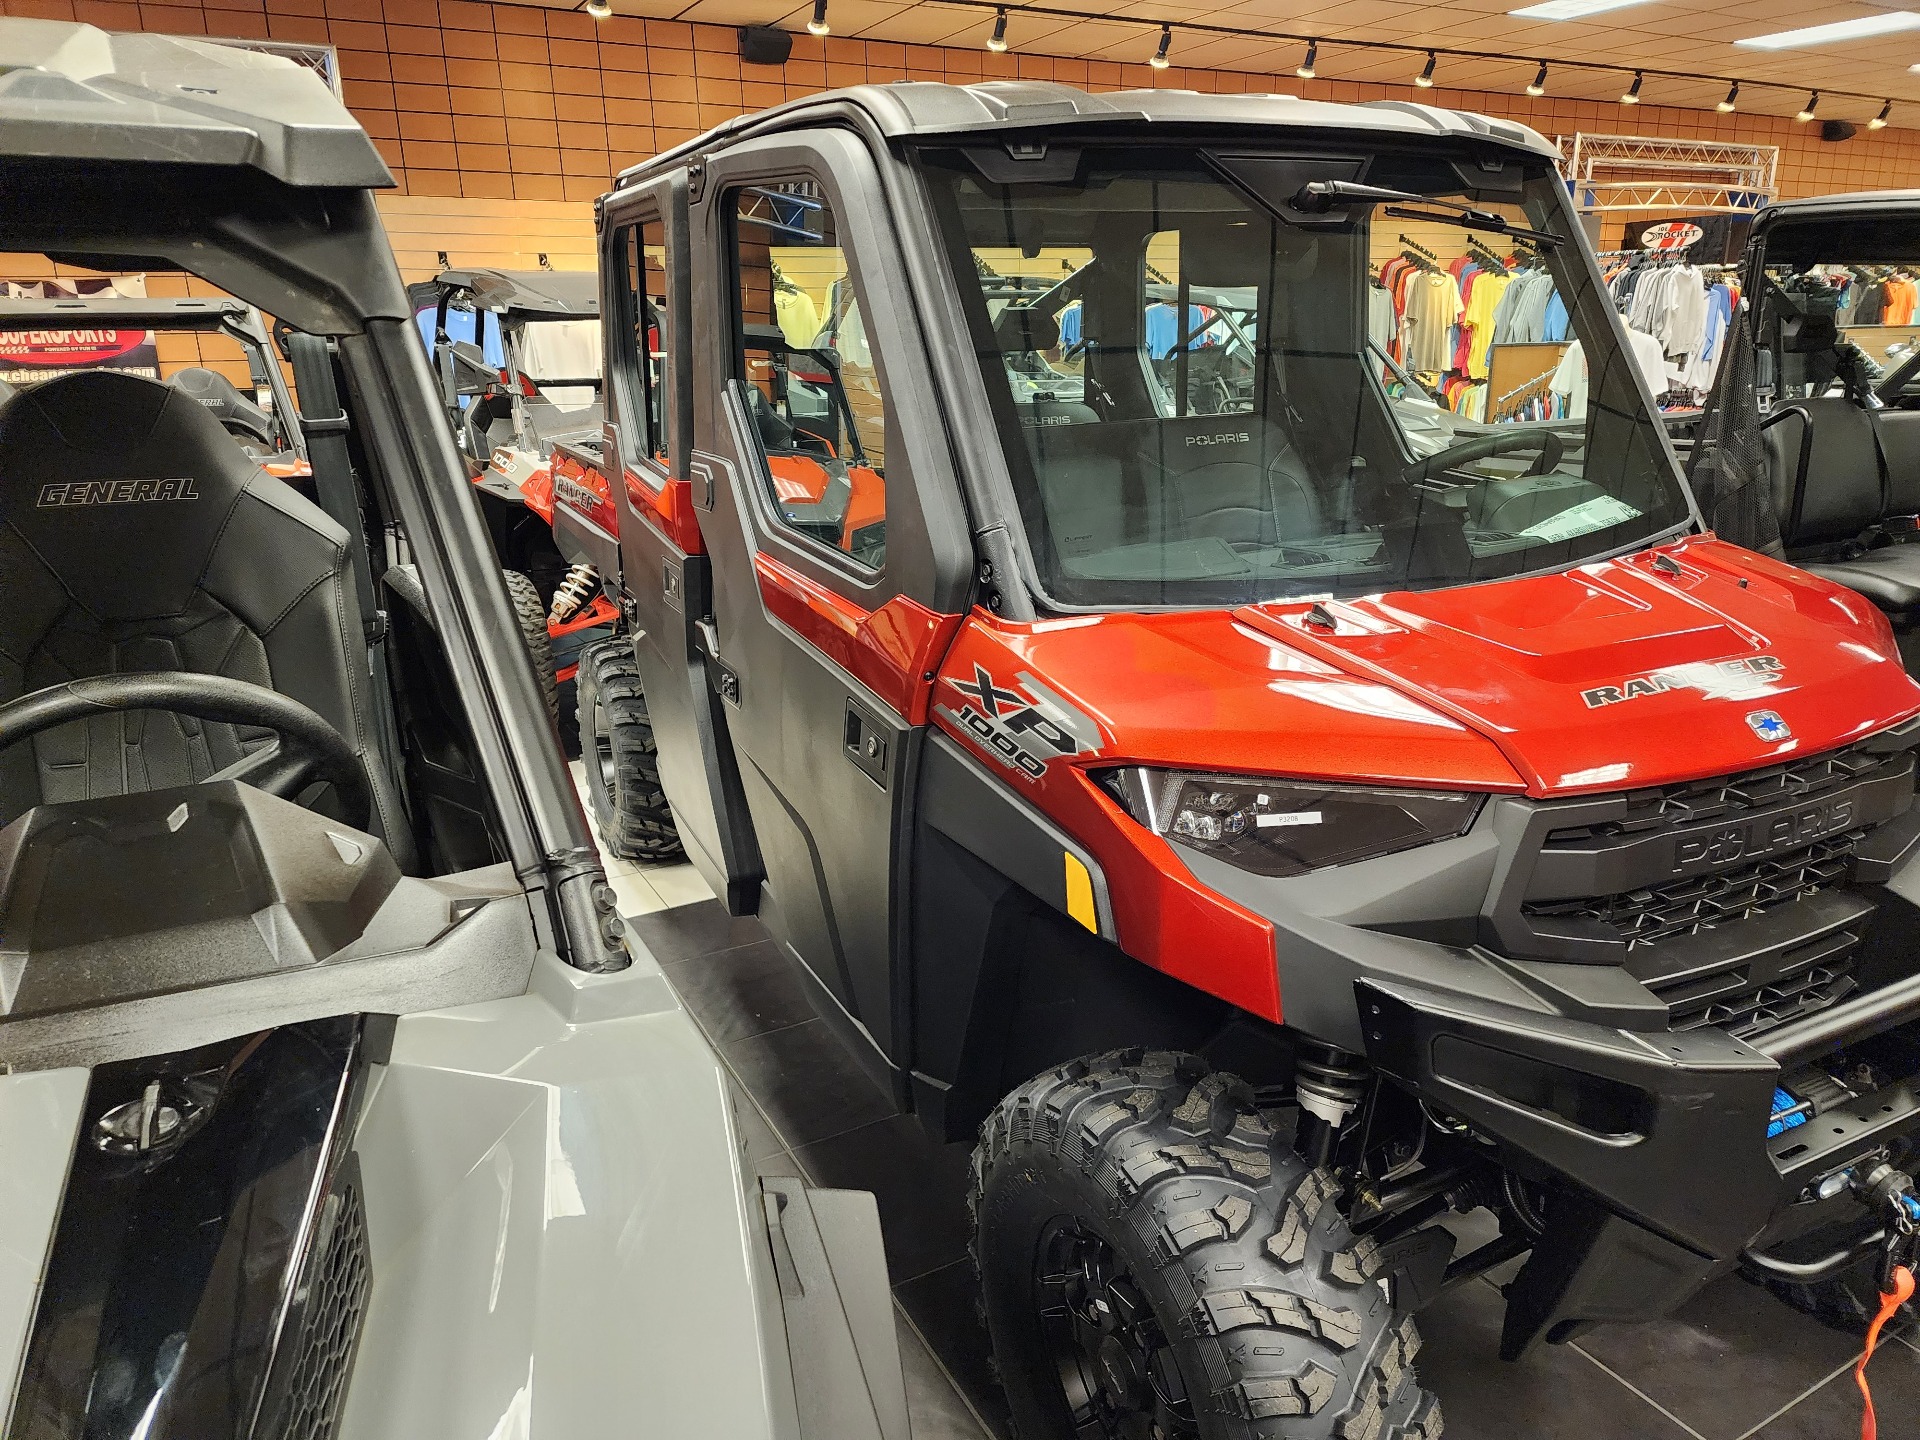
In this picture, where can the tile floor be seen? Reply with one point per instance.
(1732, 1365)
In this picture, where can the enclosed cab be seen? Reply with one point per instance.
(1179, 611)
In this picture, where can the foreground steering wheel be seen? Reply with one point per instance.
(1495, 442)
(309, 749)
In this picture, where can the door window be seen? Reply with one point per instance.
(805, 370)
(640, 380)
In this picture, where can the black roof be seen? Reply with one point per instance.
(76, 93)
(926, 109)
(1868, 227)
(126, 313)
(526, 294)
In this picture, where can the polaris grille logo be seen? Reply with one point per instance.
(62, 494)
(1735, 843)
(1233, 437)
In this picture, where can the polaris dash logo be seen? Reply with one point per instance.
(1229, 437)
(1751, 675)
(1023, 731)
(60, 495)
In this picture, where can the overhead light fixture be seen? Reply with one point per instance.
(1572, 9)
(1806, 110)
(1425, 78)
(599, 9)
(1305, 69)
(818, 24)
(1159, 60)
(1632, 97)
(1879, 122)
(1865, 27)
(1726, 106)
(997, 42)
(1538, 87)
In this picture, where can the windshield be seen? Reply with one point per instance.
(1209, 396)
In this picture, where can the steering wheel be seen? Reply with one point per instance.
(309, 749)
(1494, 442)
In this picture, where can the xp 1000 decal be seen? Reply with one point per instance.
(1025, 727)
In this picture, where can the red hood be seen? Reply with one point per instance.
(1626, 673)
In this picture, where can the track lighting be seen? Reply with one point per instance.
(1806, 110)
(1725, 107)
(599, 9)
(1159, 60)
(1305, 69)
(997, 42)
(1425, 78)
(818, 24)
(1879, 122)
(1632, 97)
(1539, 85)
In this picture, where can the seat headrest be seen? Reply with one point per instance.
(221, 398)
(1022, 328)
(121, 485)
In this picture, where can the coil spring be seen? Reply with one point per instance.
(573, 594)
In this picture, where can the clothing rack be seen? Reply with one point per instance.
(1524, 391)
(1481, 251)
(1409, 243)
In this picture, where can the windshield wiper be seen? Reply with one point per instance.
(1317, 197)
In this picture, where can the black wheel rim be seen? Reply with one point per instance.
(1116, 1367)
(602, 743)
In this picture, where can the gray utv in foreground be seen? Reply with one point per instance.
(334, 1099)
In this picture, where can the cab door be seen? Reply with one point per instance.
(840, 554)
(666, 587)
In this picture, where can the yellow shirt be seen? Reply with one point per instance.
(1487, 290)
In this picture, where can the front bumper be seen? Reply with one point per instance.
(1611, 990)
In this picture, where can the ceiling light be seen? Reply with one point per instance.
(1305, 70)
(818, 24)
(1806, 110)
(1879, 122)
(1632, 97)
(1538, 87)
(997, 42)
(1725, 107)
(1159, 60)
(1572, 9)
(599, 9)
(1888, 22)
(1425, 78)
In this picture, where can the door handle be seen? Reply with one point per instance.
(866, 744)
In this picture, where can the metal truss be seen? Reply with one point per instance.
(1644, 172)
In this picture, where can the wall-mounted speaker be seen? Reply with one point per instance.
(765, 45)
(1834, 131)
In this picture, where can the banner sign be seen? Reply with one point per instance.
(30, 355)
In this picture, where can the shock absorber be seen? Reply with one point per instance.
(1330, 1084)
(573, 593)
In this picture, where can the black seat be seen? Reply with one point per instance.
(1833, 490)
(136, 536)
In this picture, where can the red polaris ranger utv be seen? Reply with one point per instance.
(1249, 723)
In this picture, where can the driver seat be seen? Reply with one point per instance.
(136, 536)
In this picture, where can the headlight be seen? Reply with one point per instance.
(1287, 827)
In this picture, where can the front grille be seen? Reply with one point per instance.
(1734, 1001)
(336, 1282)
(1700, 902)
(1762, 927)
(1729, 797)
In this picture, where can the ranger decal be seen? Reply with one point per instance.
(1023, 731)
(1715, 679)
